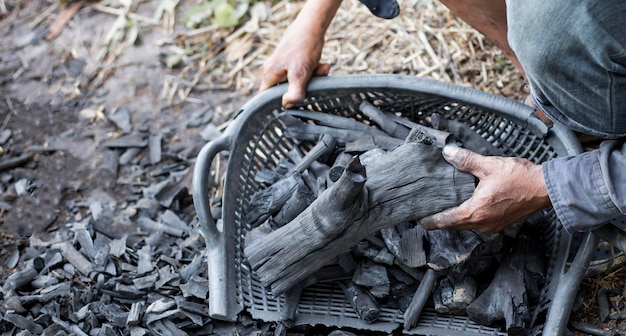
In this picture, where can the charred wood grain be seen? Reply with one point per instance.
(349, 212)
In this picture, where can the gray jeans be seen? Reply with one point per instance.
(574, 55)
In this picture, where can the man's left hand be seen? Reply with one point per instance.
(510, 190)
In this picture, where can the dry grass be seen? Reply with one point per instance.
(425, 41)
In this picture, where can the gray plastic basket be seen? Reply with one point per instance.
(255, 140)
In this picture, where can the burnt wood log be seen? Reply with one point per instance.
(399, 187)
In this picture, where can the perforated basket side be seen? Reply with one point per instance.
(260, 142)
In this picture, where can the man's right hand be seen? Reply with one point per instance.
(297, 56)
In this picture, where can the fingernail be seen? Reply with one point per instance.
(449, 151)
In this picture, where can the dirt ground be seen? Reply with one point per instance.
(58, 99)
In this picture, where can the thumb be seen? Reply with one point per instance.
(298, 78)
(466, 160)
(447, 219)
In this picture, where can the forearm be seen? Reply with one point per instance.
(589, 189)
(317, 15)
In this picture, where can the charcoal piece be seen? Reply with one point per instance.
(290, 306)
(75, 258)
(21, 278)
(135, 313)
(391, 237)
(401, 276)
(118, 247)
(421, 296)
(451, 247)
(411, 247)
(151, 317)
(192, 268)
(167, 327)
(195, 318)
(372, 140)
(165, 276)
(331, 120)
(171, 218)
(267, 176)
(43, 281)
(378, 255)
(146, 282)
(193, 288)
(374, 277)
(297, 129)
(453, 296)
(144, 263)
(267, 202)
(129, 155)
(301, 198)
(466, 135)
(154, 146)
(364, 305)
(47, 294)
(174, 191)
(23, 323)
(121, 119)
(152, 226)
(506, 297)
(159, 306)
(193, 307)
(126, 141)
(152, 191)
(83, 237)
(326, 144)
(386, 124)
(339, 166)
(111, 161)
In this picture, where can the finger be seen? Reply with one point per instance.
(468, 161)
(453, 218)
(298, 78)
(322, 70)
(272, 77)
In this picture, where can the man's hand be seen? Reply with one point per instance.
(510, 190)
(297, 56)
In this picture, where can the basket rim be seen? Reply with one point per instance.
(521, 113)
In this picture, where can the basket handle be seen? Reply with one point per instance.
(200, 186)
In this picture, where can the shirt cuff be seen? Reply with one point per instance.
(578, 192)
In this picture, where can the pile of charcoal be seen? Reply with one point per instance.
(93, 262)
(352, 203)
(81, 282)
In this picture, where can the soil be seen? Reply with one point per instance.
(56, 109)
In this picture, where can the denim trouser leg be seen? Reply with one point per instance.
(574, 55)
